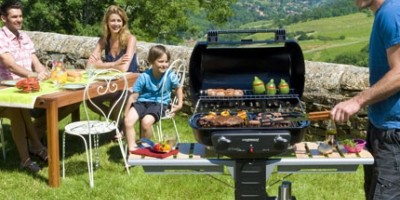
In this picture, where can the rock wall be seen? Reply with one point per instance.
(326, 83)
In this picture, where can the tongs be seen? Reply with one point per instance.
(312, 116)
(319, 115)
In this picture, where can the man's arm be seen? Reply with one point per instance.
(13, 67)
(387, 86)
(39, 68)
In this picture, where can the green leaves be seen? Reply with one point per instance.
(163, 21)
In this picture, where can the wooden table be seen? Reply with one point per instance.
(51, 102)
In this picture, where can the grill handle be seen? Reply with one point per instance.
(280, 34)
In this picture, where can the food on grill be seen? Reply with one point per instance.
(284, 87)
(238, 93)
(225, 113)
(224, 92)
(220, 121)
(258, 86)
(254, 123)
(271, 87)
(242, 114)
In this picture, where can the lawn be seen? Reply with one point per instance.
(112, 181)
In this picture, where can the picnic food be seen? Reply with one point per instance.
(284, 87)
(271, 88)
(258, 86)
(74, 76)
(230, 92)
(58, 75)
(27, 85)
(162, 147)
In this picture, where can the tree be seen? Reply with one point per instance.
(150, 20)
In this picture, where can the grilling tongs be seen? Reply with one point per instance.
(319, 115)
(312, 116)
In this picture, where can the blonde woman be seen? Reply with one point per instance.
(117, 42)
(119, 46)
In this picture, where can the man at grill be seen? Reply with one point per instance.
(383, 100)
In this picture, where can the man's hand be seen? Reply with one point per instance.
(344, 110)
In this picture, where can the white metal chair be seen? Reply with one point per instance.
(91, 128)
(179, 68)
(3, 144)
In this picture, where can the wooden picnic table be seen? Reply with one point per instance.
(52, 102)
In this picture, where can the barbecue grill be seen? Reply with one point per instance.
(233, 120)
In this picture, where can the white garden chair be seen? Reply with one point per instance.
(92, 127)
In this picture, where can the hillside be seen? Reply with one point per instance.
(325, 38)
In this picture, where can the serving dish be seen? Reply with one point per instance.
(73, 86)
(9, 82)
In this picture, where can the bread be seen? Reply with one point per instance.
(224, 92)
(229, 92)
(74, 76)
(238, 93)
(220, 92)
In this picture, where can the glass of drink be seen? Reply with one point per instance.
(170, 139)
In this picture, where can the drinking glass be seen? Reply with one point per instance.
(170, 139)
(90, 70)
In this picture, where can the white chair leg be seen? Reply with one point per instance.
(88, 159)
(124, 154)
(178, 139)
(63, 155)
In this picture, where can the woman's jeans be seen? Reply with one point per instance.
(382, 179)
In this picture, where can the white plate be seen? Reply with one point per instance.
(105, 77)
(9, 82)
(73, 86)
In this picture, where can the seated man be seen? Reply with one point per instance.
(17, 60)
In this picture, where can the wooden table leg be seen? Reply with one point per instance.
(52, 142)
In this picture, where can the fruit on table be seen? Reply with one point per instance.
(271, 87)
(258, 86)
(58, 74)
(284, 87)
(30, 84)
(162, 147)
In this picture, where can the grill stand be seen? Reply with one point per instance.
(250, 181)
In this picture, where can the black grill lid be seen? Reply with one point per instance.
(233, 64)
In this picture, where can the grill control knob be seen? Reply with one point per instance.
(223, 143)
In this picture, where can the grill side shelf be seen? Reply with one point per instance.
(309, 150)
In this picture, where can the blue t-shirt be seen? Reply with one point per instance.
(150, 88)
(109, 58)
(385, 33)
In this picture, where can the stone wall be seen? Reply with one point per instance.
(326, 83)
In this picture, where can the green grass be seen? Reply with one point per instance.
(355, 28)
(112, 181)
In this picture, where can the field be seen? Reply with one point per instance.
(354, 28)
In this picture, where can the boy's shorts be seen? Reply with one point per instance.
(149, 108)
